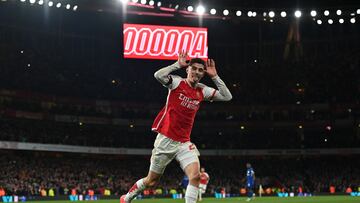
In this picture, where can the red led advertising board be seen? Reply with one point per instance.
(164, 42)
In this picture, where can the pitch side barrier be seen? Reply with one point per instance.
(85, 198)
(135, 151)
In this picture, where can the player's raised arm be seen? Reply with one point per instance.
(223, 93)
(163, 75)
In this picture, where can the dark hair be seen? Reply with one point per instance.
(197, 60)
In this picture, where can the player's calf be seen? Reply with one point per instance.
(122, 199)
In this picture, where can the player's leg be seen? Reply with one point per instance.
(149, 181)
(162, 154)
(249, 192)
(188, 157)
(253, 192)
(202, 189)
(192, 191)
(200, 192)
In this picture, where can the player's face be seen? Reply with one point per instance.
(195, 72)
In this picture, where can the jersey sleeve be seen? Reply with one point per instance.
(164, 77)
(223, 93)
(208, 92)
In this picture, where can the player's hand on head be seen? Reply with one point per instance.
(210, 68)
(182, 58)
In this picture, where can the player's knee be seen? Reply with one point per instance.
(151, 182)
(195, 177)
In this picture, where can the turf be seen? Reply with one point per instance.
(321, 199)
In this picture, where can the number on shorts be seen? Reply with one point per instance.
(191, 147)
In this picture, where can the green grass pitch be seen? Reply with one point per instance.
(319, 199)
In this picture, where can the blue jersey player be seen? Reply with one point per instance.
(250, 180)
(184, 183)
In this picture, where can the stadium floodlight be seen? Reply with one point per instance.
(298, 13)
(200, 9)
(190, 8)
(22, 0)
(238, 13)
(319, 22)
(254, 14)
(68, 6)
(271, 14)
(32, 1)
(250, 13)
(330, 21)
(271, 20)
(75, 8)
(176, 7)
(313, 13)
(283, 14)
(358, 11)
(338, 12)
(226, 12)
(264, 14)
(213, 11)
(151, 3)
(134, 1)
(352, 20)
(143, 1)
(41, 2)
(326, 13)
(158, 4)
(341, 21)
(58, 5)
(50, 4)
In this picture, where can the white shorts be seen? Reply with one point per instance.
(202, 188)
(166, 149)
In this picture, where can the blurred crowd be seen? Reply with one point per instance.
(29, 172)
(134, 136)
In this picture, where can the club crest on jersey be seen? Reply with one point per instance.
(188, 102)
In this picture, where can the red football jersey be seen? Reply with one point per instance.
(176, 119)
(204, 178)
